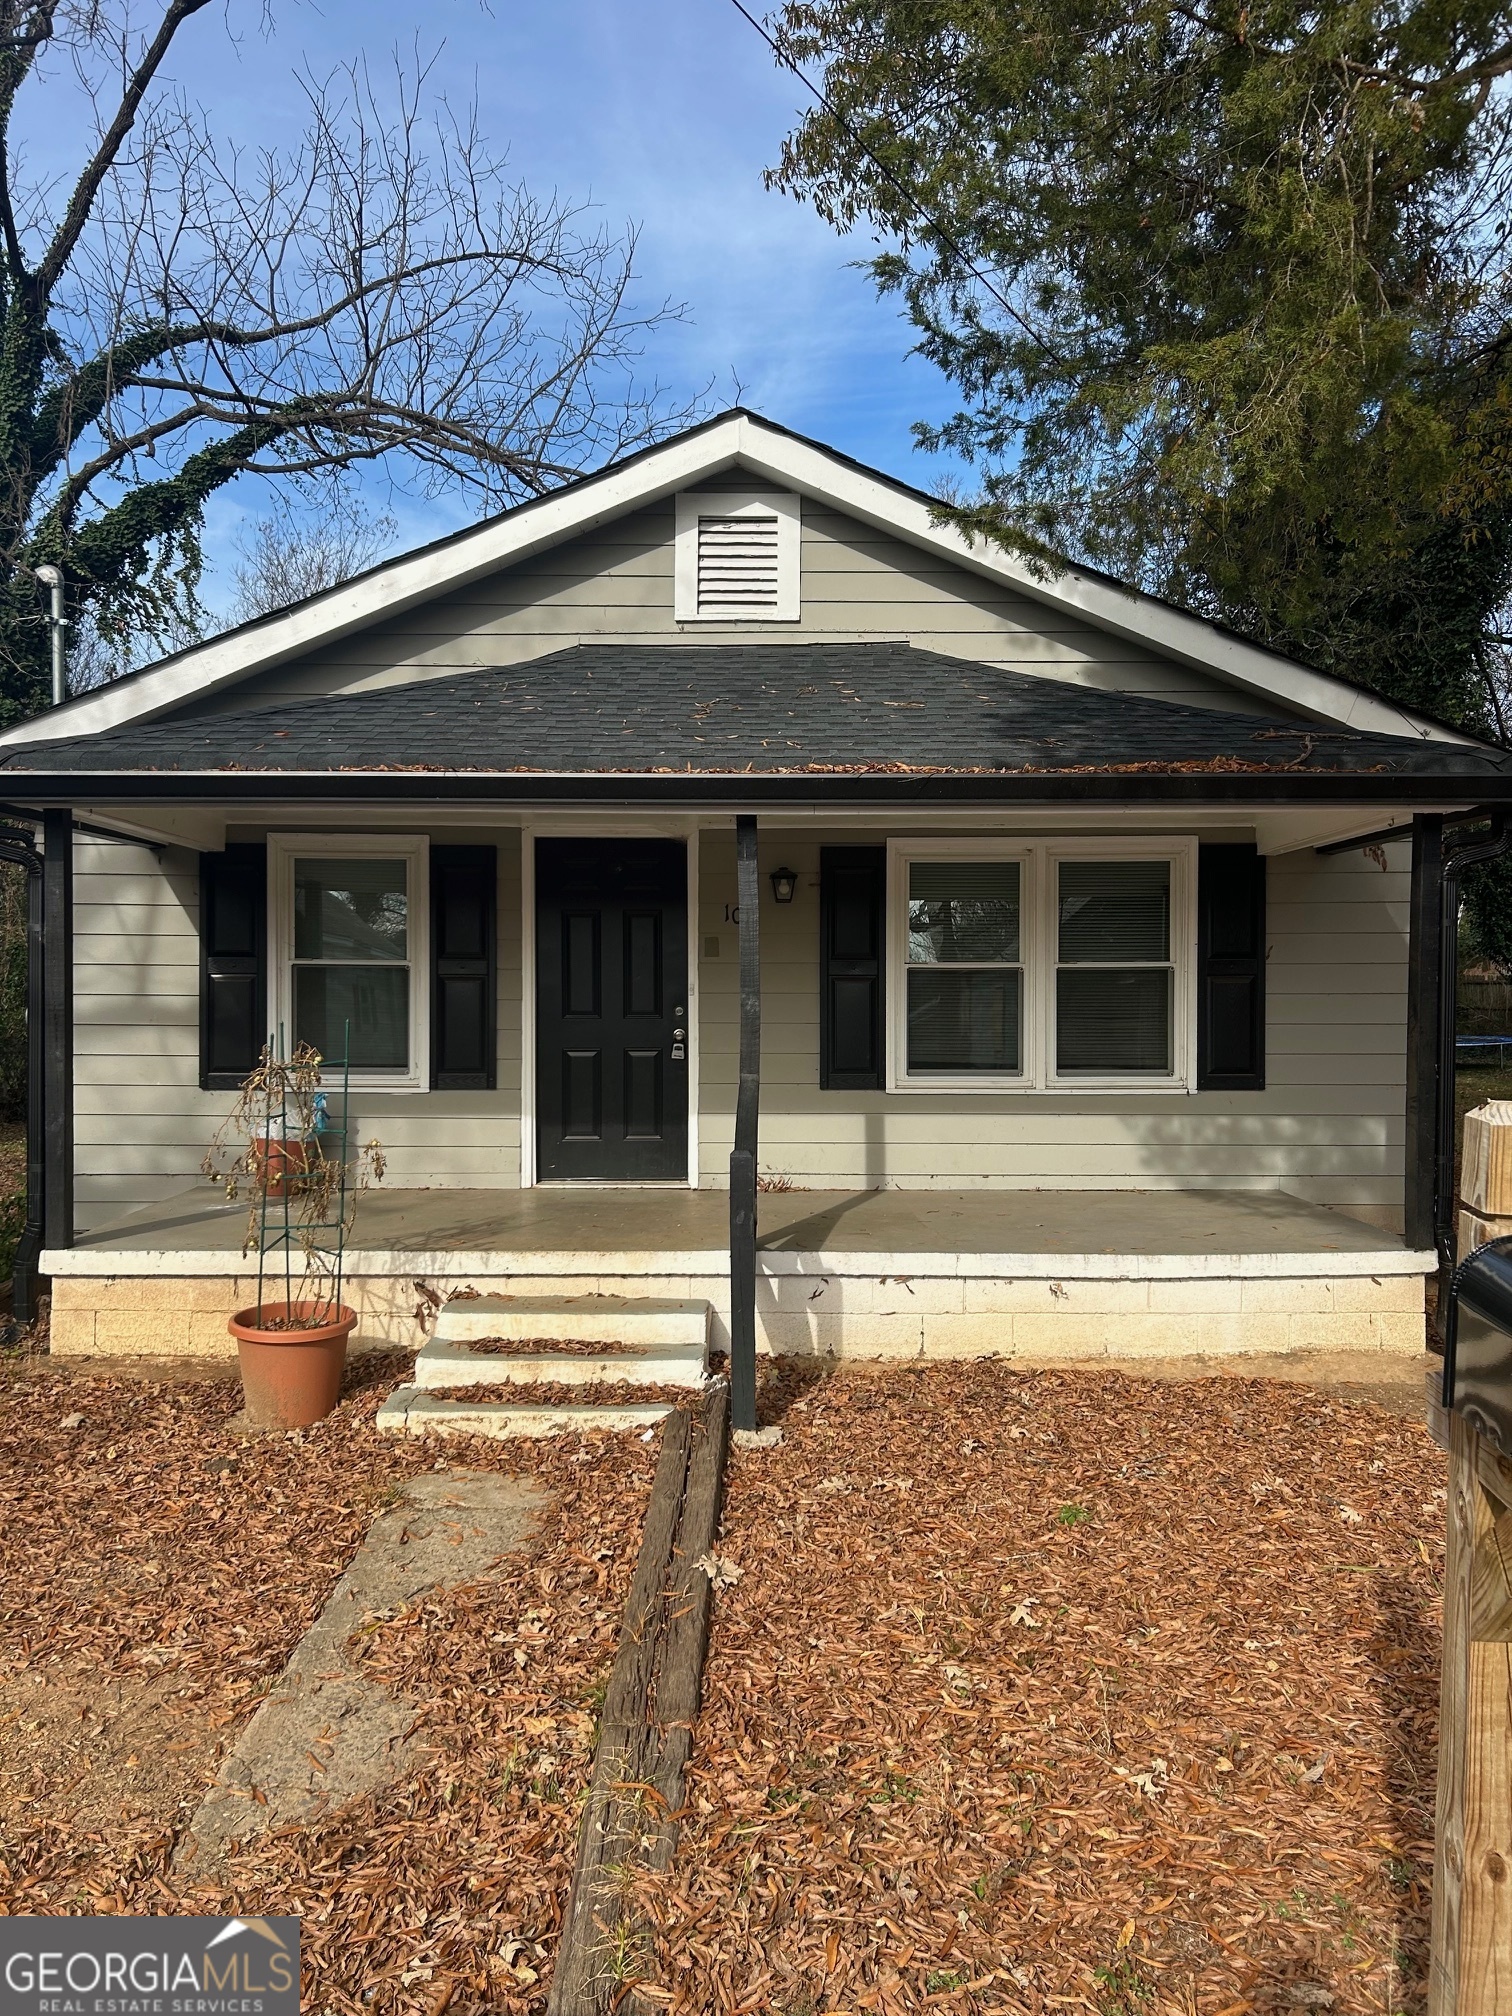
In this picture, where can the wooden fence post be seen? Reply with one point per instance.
(1470, 1964)
(1471, 1967)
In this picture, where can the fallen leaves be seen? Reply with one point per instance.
(959, 1751)
(929, 1706)
(445, 1892)
(721, 1571)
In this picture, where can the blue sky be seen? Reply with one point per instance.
(660, 112)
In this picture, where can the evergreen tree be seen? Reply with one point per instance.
(1223, 288)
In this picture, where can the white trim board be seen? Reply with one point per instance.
(780, 459)
(378, 1263)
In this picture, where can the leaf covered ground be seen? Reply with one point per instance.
(1026, 1692)
(157, 1569)
(1065, 1691)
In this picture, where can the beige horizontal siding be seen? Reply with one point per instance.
(615, 585)
(142, 1125)
(1329, 1126)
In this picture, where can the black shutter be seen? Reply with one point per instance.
(464, 1042)
(233, 964)
(852, 940)
(1230, 969)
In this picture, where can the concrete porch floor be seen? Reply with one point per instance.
(679, 1226)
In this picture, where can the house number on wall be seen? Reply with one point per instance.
(732, 913)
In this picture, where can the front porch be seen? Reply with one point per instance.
(859, 1273)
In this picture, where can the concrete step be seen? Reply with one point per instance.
(643, 1322)
(409, 1411)
(442, 1363)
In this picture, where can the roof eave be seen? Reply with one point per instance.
(719, 790)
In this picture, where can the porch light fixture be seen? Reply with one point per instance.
(784, 884)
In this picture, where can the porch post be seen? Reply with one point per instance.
(57, 1063)
(19, 847)
(1424, 1031)
(743, 1155)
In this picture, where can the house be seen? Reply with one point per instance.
(723, 838)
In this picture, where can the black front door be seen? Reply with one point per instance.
(612, 1009)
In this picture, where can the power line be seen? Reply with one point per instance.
(910, 197)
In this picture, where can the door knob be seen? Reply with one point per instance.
(678, 1035)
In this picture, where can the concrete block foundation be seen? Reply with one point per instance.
(836, 1315)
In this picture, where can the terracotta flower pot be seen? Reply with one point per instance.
(291, 1376)
(281, 1166)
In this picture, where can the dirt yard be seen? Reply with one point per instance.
(1065, 1691)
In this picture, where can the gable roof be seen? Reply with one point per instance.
(731, 710)
(770, 453)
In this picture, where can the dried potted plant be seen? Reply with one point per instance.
(280, 1147)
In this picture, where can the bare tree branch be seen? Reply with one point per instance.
(381, 291)
(81, 203)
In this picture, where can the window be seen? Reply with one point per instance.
(737, 557)
(1042, 965)
(349, 920)
(965, 975)
(1114, 982)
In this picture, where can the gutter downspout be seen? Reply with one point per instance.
(21, 848)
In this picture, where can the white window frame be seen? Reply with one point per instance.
(785, 505)
(1038, 948)
(412, 848)
(900, 853)
(1182, 856)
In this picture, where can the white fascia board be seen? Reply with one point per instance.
(691, 458)
(1142, 619)
(388, 591)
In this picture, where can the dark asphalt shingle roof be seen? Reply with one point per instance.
(617, 708)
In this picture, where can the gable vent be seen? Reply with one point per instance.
(737, 566)
(737, 557)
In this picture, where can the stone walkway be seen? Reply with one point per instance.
(326, 1734)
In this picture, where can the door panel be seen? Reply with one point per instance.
(611, 1009)
(582, 1095)
(644, 1099)
(582, 963)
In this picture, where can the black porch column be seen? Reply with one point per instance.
(17, 845)
(29, 1245)
(57, 1062)
(1424, 1026)
(743, 1155)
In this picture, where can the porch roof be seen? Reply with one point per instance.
(661, 1230)
(813, 711)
